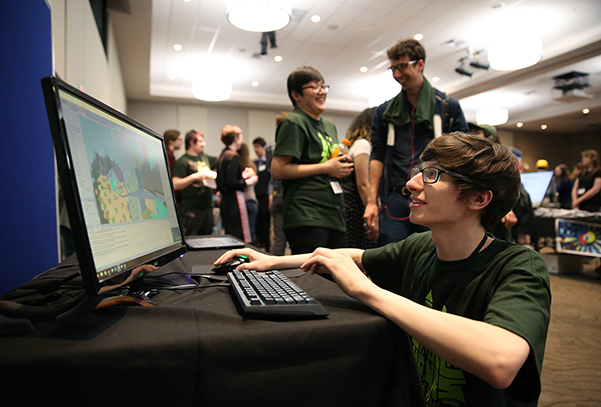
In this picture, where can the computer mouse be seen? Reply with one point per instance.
(230, 265)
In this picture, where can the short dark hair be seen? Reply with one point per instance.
(491, 165)
(229, 134)
(170, 136)
(408, 47)
(191, 138)
(299, 78)
(260, 141)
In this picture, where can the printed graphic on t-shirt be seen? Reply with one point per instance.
(441, 381)
(327, 145)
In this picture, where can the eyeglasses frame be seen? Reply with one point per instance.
(438, 172)
(317, 88)
(402, 66)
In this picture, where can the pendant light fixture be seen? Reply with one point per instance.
(515, 52)
(259, 15)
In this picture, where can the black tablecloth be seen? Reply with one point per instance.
(195, 349)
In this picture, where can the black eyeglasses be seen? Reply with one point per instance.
(317, 88)
(431, 175)
(402, 66)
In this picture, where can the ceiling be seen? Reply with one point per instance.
(356, 33)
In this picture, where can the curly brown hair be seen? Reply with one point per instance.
(361, 126)
(408, 47)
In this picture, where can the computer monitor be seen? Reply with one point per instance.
(116, 183)
(536, 184)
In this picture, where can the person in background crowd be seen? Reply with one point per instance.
(231, 182)
(551, 192)
(576, 171)
(305, 141)
(356, 185)
(262, 191)
(412, 118)
(501, 229)
(563, 185)
(194, 178)
(173, 141)
(476, 308)
(276, 198)
(250, 196)
(585, 192)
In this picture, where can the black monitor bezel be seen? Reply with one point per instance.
(91, 283)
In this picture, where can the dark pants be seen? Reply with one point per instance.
(305, 239)
(197, 221)
(263, 222)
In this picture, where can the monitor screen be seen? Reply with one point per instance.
(536, 183)
(116, 184)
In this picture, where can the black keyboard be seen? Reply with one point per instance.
(272, 294)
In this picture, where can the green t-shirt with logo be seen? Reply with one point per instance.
(506, 285)
(197, 195)
(309, 201)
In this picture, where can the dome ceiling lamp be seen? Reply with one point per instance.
(212, 82)
(259, 15)
(515, 52)
(493, 117)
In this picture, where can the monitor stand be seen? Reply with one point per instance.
(135, 295)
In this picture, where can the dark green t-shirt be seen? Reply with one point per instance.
(309, 201)
(506, 285)
(196, 195)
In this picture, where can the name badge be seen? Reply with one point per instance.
(336, 186)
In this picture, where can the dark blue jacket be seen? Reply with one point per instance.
(410, 140)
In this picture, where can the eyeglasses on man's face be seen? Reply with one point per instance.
(317, 88)
(431, 175)
(402, 66)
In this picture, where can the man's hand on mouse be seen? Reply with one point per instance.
(257, 261)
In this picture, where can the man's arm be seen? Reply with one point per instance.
(492, 353)
(181, 183)
(282, 167)
(371, 208)
(379, 135)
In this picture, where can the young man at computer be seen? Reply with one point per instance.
(477, 308)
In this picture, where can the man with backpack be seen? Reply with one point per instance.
(401, 128)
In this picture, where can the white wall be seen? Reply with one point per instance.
(79, 57)
(210, 119)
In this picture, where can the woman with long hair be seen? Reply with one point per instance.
(252, 203)
(585, 192)
(356, 185)
(563, 186)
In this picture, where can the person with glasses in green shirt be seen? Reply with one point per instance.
(313, 198)
(477, 308)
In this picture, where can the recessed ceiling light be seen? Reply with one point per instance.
(519, 124)
(435, 79)
(278, 58)
(178, 47)
(418, 37)
(586, 111)
(172, 76)
(315, 18)
(187, 1)
(255, 84)
(363, 69)
(543, 127)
